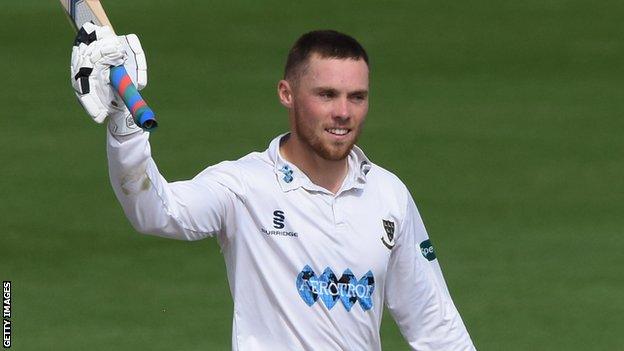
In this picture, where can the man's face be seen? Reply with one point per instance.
(329, 105)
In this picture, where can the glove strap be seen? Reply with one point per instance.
(122, 124)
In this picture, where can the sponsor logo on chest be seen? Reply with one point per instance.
(279, 219)
(330, 289)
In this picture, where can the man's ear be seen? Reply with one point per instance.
(285, 93)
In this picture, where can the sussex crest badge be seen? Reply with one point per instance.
(388, 239)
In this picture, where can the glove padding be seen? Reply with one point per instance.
(95, 50)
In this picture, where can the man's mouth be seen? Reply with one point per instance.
(338, 131)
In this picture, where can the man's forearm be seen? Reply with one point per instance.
(139, 187)
(184, 210)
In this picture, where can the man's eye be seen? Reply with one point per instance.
(326, 94)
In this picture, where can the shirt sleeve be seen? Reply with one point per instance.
(416, 294)
(184, 210)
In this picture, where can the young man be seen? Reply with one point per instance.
(316, 237)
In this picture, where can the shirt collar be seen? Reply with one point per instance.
(290, 177)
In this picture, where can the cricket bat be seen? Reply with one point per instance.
(82, 11)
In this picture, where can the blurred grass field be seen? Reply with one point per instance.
(503, 118)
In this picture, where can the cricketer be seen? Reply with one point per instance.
(317, 239)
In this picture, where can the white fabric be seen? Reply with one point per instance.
(100, 100)
(122, 124)
(135, 64)
(236, 202)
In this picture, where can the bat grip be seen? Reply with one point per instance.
(144, 117)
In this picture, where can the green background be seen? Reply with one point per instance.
(504, 118)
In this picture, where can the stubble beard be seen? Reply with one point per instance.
(333, 152)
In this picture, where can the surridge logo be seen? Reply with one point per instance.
(278, 223)
(329, 289)
(278, 219)
(388, 239)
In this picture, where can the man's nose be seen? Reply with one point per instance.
(341, 108)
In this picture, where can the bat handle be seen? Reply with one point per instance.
(144, 117)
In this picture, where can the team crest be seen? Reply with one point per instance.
(388, 239)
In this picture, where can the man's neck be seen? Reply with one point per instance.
(324, 173)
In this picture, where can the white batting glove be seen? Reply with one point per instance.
(95, 50)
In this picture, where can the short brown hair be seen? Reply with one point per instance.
(325, 43)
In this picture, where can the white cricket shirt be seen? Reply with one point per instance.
(307, 269)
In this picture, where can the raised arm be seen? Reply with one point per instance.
(416, 293)
(187, 210)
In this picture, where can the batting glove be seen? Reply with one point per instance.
(95, 50)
